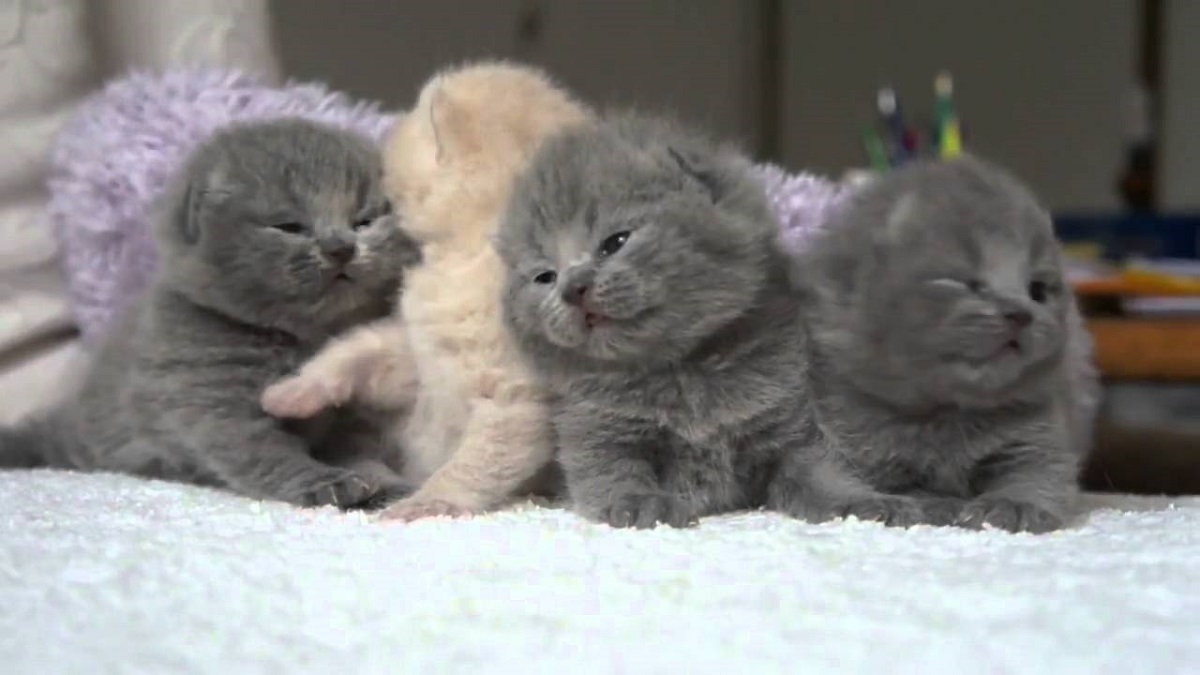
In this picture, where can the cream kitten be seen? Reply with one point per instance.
(479, 429)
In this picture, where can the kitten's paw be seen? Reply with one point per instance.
(645, 511)
(891, 510)
(388, 495)
(408, 510)
(1009, 515)
(301, 397)
(344, 490)
(942, 511)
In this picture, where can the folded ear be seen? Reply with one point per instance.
(186, 202)
(704, 173)
(455, 130)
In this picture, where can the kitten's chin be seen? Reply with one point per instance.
(998, 382)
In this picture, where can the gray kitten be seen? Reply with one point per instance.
(949, 366)
(647, 286)
(275, 237)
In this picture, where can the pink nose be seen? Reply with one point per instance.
(576, 294)
(1018, 319)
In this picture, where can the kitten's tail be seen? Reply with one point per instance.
(39, 442)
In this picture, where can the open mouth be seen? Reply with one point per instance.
(1010, 348)
(591, 319)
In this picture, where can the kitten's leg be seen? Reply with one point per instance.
(503, 446)
(815, 484)
(372, 364)
(255, 457)
(606, 461)
(356, 443)
(1023, 489)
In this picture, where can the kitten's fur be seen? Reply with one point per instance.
(933, 402)
(480, 427)
(672, 347)
(260, 223)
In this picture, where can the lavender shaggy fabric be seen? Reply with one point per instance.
(113, 159)
(802, 201)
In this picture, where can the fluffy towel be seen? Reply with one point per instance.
(105, 574)
(112, 160)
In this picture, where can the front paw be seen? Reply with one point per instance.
(645, 511)
(302, 396)
(411, 509)
(942, 511)
(1009, 515)
(343, 489)
(891, 510)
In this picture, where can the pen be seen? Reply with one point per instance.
(876, 152)
(949, 136)
(888, 105)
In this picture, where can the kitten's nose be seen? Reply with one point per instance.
(1018, 318)
(337, 250)
(575, 294)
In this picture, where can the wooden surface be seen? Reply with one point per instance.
(1136, 348)
(1144, 347)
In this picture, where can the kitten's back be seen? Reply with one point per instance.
(450, 162)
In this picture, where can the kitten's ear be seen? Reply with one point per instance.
(708, 177)
(184, 216)
(188, 202)
(454, 130)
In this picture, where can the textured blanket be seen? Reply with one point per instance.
(103, 574)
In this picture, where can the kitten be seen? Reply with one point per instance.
(480, 428)
(949, 366)
(648, 286)
(276, 236)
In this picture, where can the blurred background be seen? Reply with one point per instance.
(1041, 86)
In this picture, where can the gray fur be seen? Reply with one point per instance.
(920, 413)
(683, 402)
(238, 303)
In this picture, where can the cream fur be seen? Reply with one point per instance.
(479, 430)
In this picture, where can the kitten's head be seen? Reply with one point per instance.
(940, 284)
(451, 161)
(284, 224)
(632, 240)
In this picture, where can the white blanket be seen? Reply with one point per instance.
(106, 574)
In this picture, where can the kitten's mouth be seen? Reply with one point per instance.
(1009, 348)
(592, 319)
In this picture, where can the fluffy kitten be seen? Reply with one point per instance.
(949, 366)
(648, 287)
(480, 429)
(276, 236)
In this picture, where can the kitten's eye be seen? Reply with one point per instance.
(362, 223)
(613, 244)
(547, 277)
(1039, 291)
(289, 227)
(973, 285)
